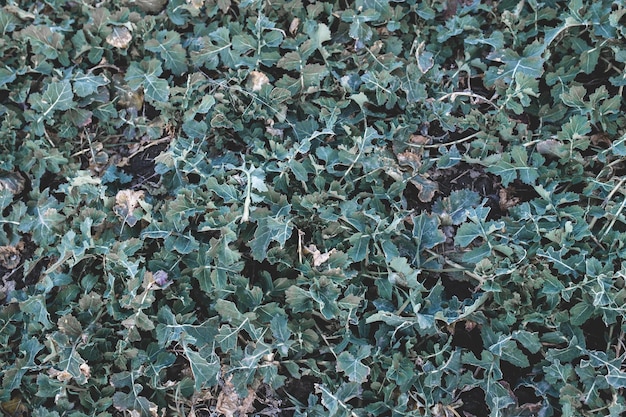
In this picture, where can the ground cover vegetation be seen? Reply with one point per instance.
(344, 208)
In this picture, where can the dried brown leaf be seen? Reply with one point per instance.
(293, 26)
(409, 159)
(256, 80)
(10, 256)
(419, 140)
(230, 404)
(12, 181)
(120, 37)
(126, 201)
(506, 199)
(318, 257)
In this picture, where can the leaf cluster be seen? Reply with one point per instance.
(416, 208)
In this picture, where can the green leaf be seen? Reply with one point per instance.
(529, 63)
(182, 244)
(558, 373)
(70, 360)
(615, 376)
(518, 95)
(208, 49)
(402, 372)
(326, 293)
(528, 340)
(513, 165)
(227, 338)
(336, 401)
(131, 400)
(282, 334)
(412, 85)
(404, 273)
(427, 188)
(476, 227)
(7, 76)
(299, 299)
(14, 373)
(575, 97)
(79, 117)
(360, 246)
(456, 206)
(507, 349)
(495, 40)
(589, 59)
(8, 22)
(359, 29)
(312, 74)
(168, 46)
(581, 312)
(43, 40)
(498, 397)
(269, 229)
(227, 192)
(229, 312)
(352, 366)
(291, 61)
(57, 96)
(568, 266)
(87, 84)
(477, 254)
(426, 232)
(35, 307)
(195, 129)
(146, 75)
(424, 322)
(205, 372)
(577, 127)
